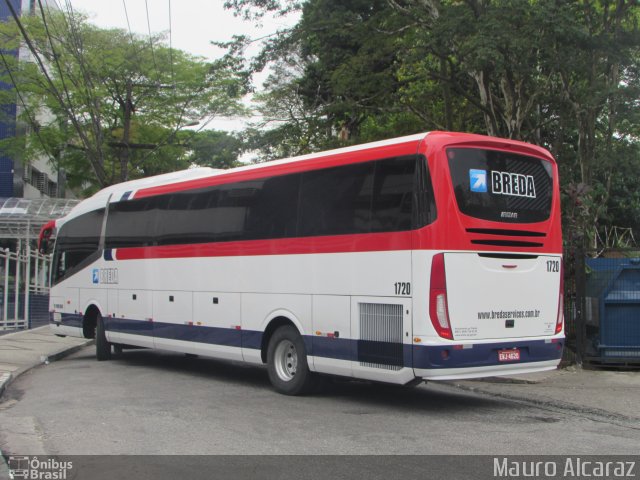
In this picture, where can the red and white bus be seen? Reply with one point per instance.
(427, 257)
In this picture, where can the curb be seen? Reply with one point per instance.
(7, 378)
(68, 351)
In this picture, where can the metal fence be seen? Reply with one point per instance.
(24, 294)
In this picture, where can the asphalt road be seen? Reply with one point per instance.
(159, 403)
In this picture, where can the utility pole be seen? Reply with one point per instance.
(125, 145)
(126, 134)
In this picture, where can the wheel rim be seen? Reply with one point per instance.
(286, 360)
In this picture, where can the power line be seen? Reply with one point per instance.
(173, 79)
(98, 168)
(53, 52)
(153, 54)
(32, 121)
(59, 7)
(136, 51)
(34, 52)
(126, 15)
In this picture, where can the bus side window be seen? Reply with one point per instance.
(60, 265)
(77, 243)
(337, 200)
(392, 206)
(130, 223)
(425, 204)
(273, 213)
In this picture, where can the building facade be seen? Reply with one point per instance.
(36, 178)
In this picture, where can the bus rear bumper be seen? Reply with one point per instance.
(481, 372)
(457, 362)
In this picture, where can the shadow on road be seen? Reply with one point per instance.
(431, 397)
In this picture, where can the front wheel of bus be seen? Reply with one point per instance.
(287, 362)
(103, 347)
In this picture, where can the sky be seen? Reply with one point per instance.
(194, 24)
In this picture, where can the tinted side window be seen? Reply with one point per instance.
(77, 242)
(257, 209)
(187, 217)
(425, 206)
(131, 223)
(336, 200)
(393, 198)
(375, 196)
(233, 209)
(274, 210)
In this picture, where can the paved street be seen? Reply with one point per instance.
(149, 402)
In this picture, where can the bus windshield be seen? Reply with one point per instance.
(501, 186)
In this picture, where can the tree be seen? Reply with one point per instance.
(210, 148)
(118, 101)
(331, 72)
(564, 75)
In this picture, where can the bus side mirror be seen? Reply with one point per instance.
(43, 241)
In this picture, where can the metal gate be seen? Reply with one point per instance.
(24, 292)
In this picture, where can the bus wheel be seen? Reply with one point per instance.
(103, 348)
(287, 362)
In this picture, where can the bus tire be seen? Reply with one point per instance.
(103, 347)
(287, 362)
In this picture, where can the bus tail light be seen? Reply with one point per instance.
(560, 317)
(438, 309)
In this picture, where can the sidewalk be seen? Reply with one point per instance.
(25, 349)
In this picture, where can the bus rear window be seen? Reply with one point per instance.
(501, 186)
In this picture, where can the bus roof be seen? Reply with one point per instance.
(201, 177)
(395, 146)
(99, 199)
(272, 165)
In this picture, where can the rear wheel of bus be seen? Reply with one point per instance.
(287, 362)
(103, 347)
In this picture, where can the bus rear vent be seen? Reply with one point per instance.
(380, 343)
(507, 233)
(507, 243)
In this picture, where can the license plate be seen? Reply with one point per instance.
(509, 355)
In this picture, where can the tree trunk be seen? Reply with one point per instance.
(487, 103)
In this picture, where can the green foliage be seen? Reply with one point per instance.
(564, 75)
(117, 102)
(214, 149)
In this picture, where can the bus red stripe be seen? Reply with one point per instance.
(276, 168)
(287, 246)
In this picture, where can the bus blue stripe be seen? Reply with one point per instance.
(414, 356)
(252, 339)
(69, 320)
(482, 354)
(338, 348)
(126, 325)
(199, 334)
